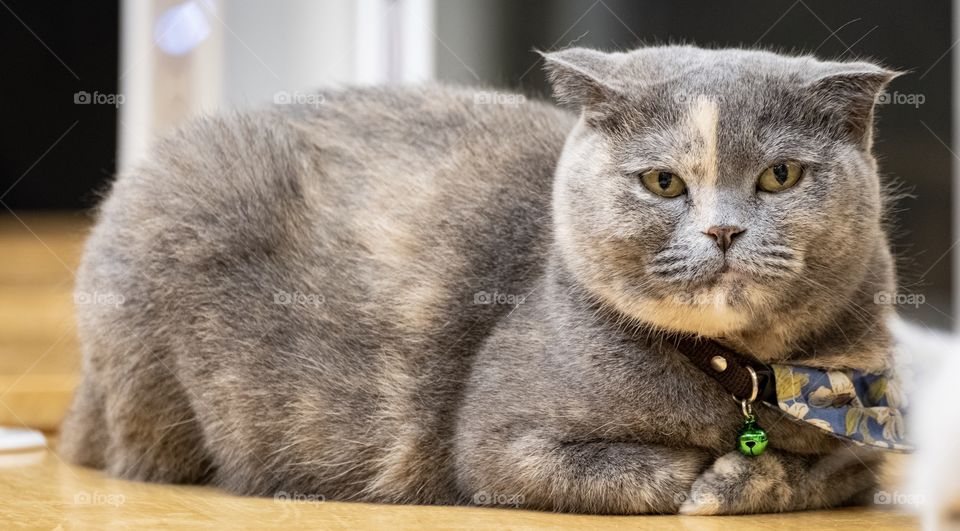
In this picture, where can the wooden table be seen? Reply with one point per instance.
(40, 491)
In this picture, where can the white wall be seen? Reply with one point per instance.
(286, 45)
(249, 52)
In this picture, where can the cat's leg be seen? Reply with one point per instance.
(779, 481)
(539, 471)
(83, 435)
(143, 428)
(153, 432)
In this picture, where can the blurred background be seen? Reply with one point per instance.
(87, 87)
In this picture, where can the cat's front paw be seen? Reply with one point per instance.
(736, 484)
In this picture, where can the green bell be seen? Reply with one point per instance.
(752, 439)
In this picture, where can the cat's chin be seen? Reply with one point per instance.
(708, 313)
(728, 281)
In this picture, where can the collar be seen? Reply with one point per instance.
(862, 407)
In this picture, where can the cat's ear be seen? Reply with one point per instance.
(582, 78)
(845, 99)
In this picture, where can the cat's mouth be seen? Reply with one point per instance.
(727, 276)
(729, 288)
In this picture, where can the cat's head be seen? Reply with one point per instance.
(721, 192)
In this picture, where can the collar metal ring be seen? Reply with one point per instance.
(755, 382)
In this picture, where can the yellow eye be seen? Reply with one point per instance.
(779, 177)
(663, 183)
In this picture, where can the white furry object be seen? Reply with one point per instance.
(934, 421)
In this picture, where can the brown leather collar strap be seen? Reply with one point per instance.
(731, 369)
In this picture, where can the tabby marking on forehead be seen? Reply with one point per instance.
(704, 115)
(702, 119)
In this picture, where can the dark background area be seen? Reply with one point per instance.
(58, 154)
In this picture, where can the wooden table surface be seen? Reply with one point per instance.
(39, 356)
(39, 491)
(38, 368)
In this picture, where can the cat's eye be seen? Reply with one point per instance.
(779, 177)
(663, 183)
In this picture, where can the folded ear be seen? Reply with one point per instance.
(845, 99)
(583, 79)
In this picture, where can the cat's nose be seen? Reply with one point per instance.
(724, 235)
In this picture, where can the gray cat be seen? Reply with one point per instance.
(434, 295)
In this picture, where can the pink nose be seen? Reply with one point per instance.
(724, 234)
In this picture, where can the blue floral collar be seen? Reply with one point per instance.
(862, 407)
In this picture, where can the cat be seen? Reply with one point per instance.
(431, 295)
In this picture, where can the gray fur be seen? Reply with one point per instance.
(306, 291)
